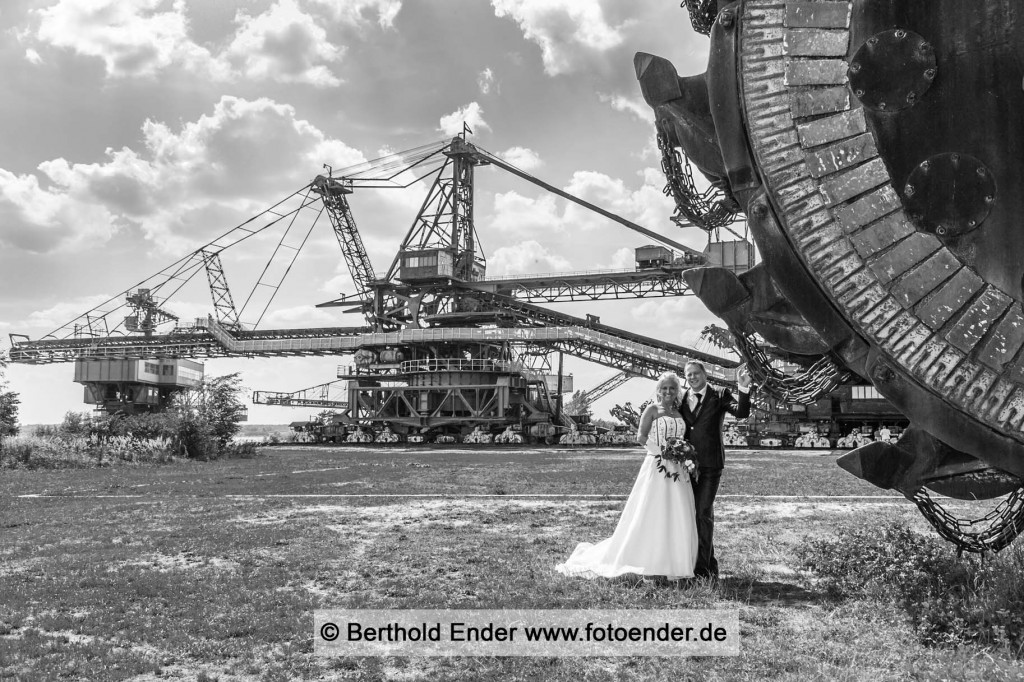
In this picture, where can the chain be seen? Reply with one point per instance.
(812, 384)
(991, 533)
(707, 210)
(702, 14)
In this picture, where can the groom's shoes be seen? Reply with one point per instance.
(709, 579)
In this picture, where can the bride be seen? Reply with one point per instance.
(657, 532)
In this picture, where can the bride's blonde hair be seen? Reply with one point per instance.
(664, 380)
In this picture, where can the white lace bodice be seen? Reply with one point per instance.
(662, 429)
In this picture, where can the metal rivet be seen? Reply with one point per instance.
(912, 97)
(955, 158)
(881, 105)
(909, 190)
(872, 40)
(726, 19)
(989, 199)
(940, 230)
(760, 211)
(855, 67)
(901, 34)
(981, 171)
(929, 73)
(924, 165)
(883, 373)
(972, 223)
(859, 93)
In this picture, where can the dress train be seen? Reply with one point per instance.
(657, 531)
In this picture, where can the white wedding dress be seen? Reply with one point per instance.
(657, 532)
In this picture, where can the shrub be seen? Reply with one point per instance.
(132, 449)
(201, 426)
(15, 451)
(74, 424)
(196, 440)
(209, 416)
(950, 600)
(145, 425)
(52, 452)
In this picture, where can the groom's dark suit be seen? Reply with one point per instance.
(704, 431)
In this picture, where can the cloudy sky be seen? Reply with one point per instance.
(135, 131)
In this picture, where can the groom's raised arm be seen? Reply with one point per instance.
(739, 408)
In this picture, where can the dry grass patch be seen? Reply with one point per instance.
(215, 573)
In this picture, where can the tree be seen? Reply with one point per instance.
(578, 405)
(9, 402)
(75, 424)
(210, 415)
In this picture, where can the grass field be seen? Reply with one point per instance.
(212, 571)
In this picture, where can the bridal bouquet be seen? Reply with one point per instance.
(679, 451)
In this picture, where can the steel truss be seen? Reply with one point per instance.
(607, 386)
(596, 287)
(223, 303)
(430, 406)
(314, 396)
(333, 192)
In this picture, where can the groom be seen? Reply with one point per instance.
(704, 408)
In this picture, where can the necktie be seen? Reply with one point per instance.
(696, 405)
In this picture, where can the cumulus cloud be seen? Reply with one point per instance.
(624, 258)
(38, 219)
(132, 39)
(185, 182)
(522, 158)
(567, 31)
(518, 214)
(525, 258)
(361, 12)
(145, 38)
(283, 44)
(631, 105)
(472, 114)
(486, 82)
(645, 205)
(51, 318)
(32, 57)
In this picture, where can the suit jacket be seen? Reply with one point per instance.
(704, 429)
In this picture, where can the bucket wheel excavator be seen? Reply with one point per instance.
(875, 148)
